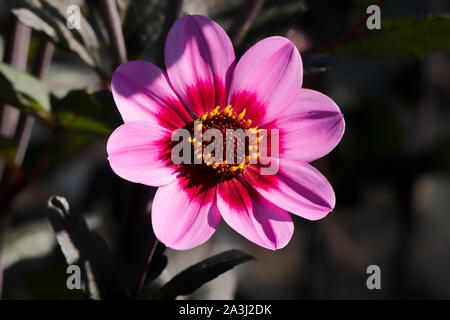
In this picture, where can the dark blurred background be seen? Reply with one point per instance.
(390, 172)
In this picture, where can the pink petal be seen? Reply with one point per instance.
(297, 187)
(142, 92)
(183, 216)
(311, 127)
(255, 218)
(267, 79)
(199, 58)
(136, 151)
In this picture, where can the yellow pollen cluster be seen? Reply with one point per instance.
(227, 112)
(222, 120)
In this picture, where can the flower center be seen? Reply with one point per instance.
(243, 147)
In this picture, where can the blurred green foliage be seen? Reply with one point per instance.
(399, 38)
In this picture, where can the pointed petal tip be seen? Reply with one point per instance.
(314, 124)
(271, 72)
(298, 188)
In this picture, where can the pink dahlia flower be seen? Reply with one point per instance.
(203, 82)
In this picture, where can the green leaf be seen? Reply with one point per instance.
(87, 112)
(24, 91)
(399, 38)
(80, 111)
(81, 124)
(195, 276)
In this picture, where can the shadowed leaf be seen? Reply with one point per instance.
(50, 17)
(156, 267)
(158, 263)
(195, 276)
(83, 248)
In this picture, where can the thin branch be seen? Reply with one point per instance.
(354, 32)
(114, 26)
(244, 20)
(40, 68)
(16, 53)
(44, 58)
(142, 275)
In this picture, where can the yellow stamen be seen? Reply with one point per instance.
(254, 130)
(241, 115)
(233, 168)
(218, 117)
(227, 108)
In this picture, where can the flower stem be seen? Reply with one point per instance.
(142, 275)
(137, 242)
